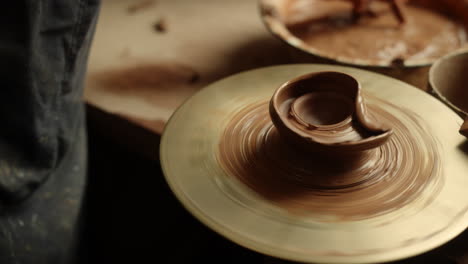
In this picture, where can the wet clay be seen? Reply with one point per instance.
(325, 111)
(329, 26)
(362, 8)
(346, 187)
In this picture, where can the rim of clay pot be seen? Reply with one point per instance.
(359, 145)
(433, 86)
(278, 29)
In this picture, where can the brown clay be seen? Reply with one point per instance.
(324, 175)
(362, 7)
(162, 84)
(431, 29)
(342, 187)
(325, 111)
(160, 26)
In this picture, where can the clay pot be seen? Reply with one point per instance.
(413, 71)
(325, 111)
(448, 81)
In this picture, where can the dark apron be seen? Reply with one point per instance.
(43, 54)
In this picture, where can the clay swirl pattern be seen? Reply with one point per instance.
(347, 187)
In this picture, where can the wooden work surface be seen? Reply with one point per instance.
(149, 56)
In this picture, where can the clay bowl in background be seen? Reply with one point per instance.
(448, 81)
(413, 71)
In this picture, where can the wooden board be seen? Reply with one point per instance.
(149, 56)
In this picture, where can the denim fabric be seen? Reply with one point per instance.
(43, 52)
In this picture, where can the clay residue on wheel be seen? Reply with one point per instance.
(350, 187)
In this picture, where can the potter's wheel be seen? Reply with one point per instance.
(189, 159)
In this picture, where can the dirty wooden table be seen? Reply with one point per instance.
(148, 56)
